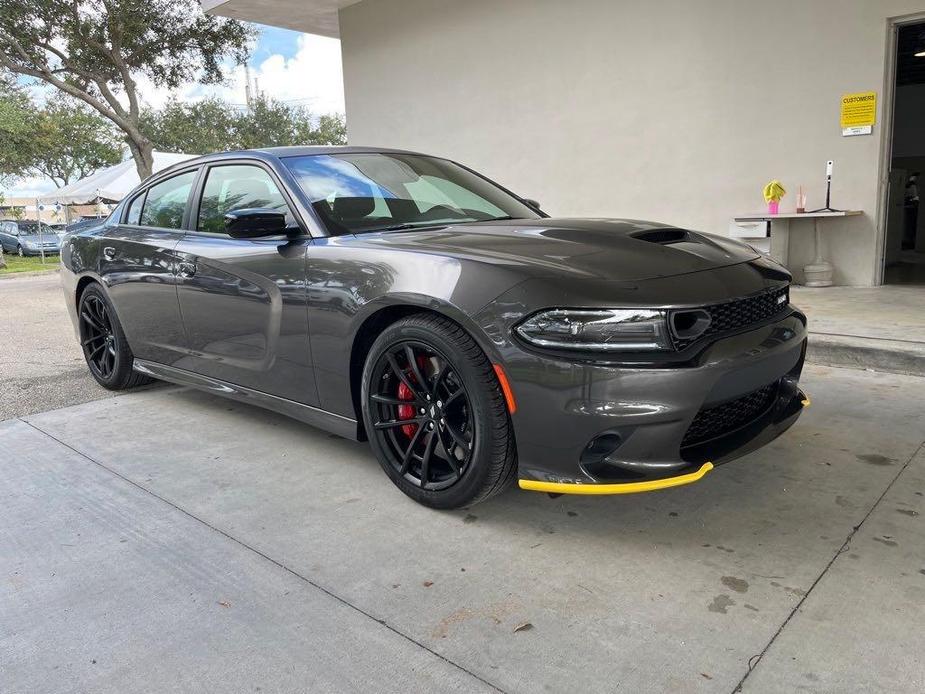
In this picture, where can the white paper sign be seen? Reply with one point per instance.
(857, 130)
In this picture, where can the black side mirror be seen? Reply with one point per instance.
(532, 203)
(254, 222)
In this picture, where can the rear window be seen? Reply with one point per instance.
(134, 210)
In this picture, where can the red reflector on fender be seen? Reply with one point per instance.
(505, 388)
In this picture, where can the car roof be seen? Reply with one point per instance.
(292, 151)
(303, 150)
(276, 153)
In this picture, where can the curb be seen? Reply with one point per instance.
(28, 273)
(892, 356)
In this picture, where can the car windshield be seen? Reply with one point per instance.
(32, 228)
(363, 192)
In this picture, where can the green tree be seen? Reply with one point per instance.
(332, 129)
(97, 50)
(213, 125)
(63, 141)
(72, 142)
(17, 125)
(196, 127)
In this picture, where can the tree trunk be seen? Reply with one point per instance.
(2, 261)
(143, 153)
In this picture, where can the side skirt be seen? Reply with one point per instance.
(335, 423)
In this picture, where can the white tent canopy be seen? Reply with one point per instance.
(109, 185)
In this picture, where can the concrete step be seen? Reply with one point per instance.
(894, 356)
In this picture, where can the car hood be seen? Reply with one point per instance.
(620, 249)
(50, 237)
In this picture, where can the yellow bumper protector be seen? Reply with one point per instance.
(806, 401)
(622, 488)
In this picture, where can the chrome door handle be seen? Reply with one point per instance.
(186, 269)
(109, 253)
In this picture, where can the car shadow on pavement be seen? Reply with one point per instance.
(795, 488)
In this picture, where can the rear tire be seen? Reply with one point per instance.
(448, 442)
(105, 348)
(19, 251)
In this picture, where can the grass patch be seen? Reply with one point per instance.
(28, 263)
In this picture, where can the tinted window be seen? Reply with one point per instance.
(236, 187)
(355, 192)
(166, 202)
(134, 210)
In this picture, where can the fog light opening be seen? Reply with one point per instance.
(599, 448)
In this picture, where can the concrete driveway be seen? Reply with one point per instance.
(169, 540)
(41, 365)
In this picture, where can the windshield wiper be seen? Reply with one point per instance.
(422, 225)
(489, 219)
(404, 226)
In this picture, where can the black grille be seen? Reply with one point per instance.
(740, 313)
(715, 421)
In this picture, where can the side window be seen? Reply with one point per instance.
(166, 202)
(134, 210)
(236, 187)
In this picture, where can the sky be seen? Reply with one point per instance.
(288, 66)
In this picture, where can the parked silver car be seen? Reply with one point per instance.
(27, 238)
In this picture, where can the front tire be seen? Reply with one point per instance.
(105, 348)
(435, 415)
(19, 250)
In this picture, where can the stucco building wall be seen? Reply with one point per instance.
(673, 110)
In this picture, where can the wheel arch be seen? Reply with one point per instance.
(379, 318)
(81, 287)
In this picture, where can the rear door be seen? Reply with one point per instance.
(8, 236)
(138, 264)
(243, 300)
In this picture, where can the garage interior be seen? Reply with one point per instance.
(905, 237)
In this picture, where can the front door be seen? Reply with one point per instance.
(138, 263)
(243, 301)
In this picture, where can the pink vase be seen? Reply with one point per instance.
(773, 207)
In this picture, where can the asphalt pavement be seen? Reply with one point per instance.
(169, 540)
(41, 365)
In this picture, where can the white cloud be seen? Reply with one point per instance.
(312, 77)
(29, 188)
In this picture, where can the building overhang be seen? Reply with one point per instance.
(309, 16)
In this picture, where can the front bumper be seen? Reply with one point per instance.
(48, 250)
(594, 428)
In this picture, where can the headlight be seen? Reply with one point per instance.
(611, 330)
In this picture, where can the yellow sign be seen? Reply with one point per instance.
(858, 110)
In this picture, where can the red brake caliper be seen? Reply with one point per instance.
(404, 393)
(406, 411)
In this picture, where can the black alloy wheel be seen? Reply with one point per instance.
(105, 348)
(423, 411)
(435, 415)
(97, 338)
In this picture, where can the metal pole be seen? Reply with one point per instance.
(38, 218)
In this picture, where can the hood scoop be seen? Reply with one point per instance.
(663, 236)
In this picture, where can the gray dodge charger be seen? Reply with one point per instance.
(407, 300)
